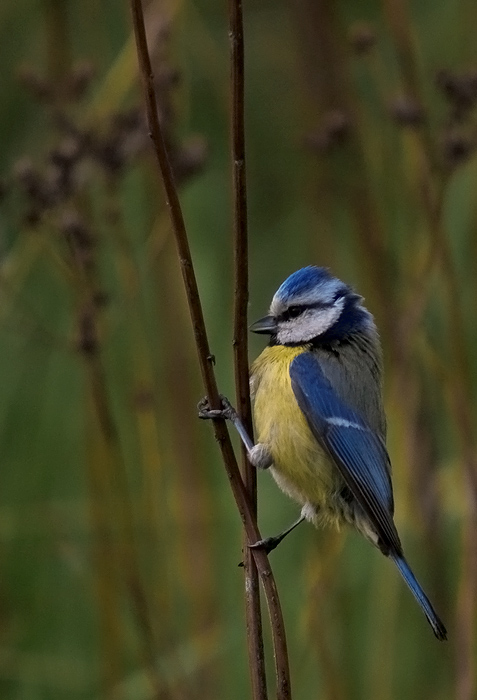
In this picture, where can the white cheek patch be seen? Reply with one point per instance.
(311, 323)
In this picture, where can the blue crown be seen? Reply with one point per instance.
(308, 280)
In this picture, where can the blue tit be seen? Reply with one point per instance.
(319, 417)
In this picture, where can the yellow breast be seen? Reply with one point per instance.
(300, 467)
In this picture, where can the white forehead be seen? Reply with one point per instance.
(322, 293)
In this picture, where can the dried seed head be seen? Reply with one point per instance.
(459, 89)
(25, 174)
(40, 88)
(32, 218)
(109, 155)
(333, 130)
(143, 399)
(128, 120)
(79, 80)
(24, 171)
(101, 299)
(167, 77)
(4, 187)
(56, 184)
(87, 338)
(73, 227)
(362, 37)
(67, 152)
(406, 111)
(189, 158)
(457, 147)
(123, 140)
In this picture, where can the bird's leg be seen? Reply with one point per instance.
(269, 543)
(258, 455)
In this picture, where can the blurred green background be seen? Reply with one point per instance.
(119, 536)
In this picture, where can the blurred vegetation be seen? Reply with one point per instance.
(119, 537)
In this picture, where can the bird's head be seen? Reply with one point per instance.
(312, 305)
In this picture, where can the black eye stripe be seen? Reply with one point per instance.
(298, 309)
(294, 311)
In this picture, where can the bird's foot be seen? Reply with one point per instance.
(227, 411)
(259, 454)
(268, 544)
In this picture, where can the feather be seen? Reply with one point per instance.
(358, 452)
(416, 589)
(361, 458)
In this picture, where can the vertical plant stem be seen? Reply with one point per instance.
(460, 379)
(144, 418)
(105, 555)
(115, 476)
(58, 47)
(240, 344)
(123, 515)
(206, 359)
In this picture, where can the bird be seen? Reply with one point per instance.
(319, 415)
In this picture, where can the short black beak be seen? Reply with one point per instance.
(267, 324)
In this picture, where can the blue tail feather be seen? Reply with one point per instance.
(415, 588)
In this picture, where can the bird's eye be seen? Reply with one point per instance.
(294, 311)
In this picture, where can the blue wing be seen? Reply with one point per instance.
(358, 452)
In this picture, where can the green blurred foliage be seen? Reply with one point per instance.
(119, 536)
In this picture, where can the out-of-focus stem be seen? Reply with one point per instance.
(59, 53)
(432, 191)
(112, 462)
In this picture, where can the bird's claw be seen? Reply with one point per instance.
(268, 544)
(206, 413)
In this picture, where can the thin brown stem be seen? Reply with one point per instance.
(240, 344)
(205, 358)
(433, 184)
(58, 45)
